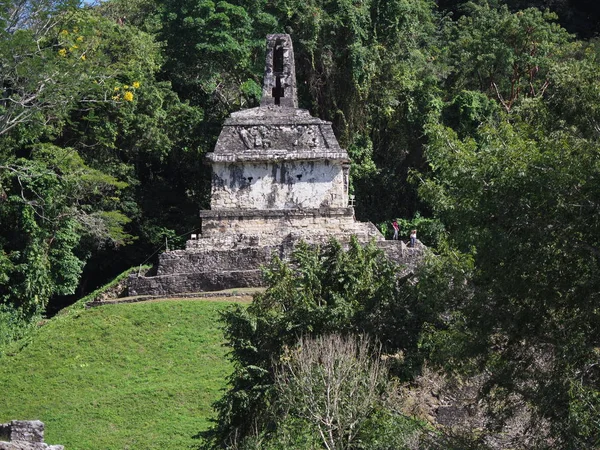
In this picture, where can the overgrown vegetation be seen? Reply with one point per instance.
(335, 386)
(321, 292)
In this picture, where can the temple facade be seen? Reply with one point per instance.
(279, 176)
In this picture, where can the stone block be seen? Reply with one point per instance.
(24, 435)
(193, 282)
(27, 430)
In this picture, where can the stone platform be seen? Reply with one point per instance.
(186, 271)
(272, 227)
(235, 244)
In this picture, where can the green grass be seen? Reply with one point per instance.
(131, 376)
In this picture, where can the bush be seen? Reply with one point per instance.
(15, 324)
(333, 382)
(333, 392)
(321, 291)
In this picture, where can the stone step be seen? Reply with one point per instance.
(214, 259)
(194, 282)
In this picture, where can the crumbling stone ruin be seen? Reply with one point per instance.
(24, 435)
(279, 177)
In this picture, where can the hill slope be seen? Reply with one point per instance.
(133, 376)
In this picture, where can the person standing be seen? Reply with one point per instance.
(413, 238)
(396, 229)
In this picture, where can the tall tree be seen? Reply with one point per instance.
(215, 51)
(505, 55)
(525, 203)
(83, 121)
(514, 167)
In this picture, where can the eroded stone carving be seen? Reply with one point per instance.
(246, 138)
(240, 140)
(253, 137)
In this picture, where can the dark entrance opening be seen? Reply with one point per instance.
(278, 90)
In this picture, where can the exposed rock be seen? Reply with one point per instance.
(454, 406)
(24, 435)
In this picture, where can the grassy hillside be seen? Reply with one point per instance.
(134, 376)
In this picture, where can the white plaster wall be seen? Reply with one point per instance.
(281, 185)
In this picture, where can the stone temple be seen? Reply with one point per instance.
(279, 176)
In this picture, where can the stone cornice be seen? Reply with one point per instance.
(275, 213)
(276, 155)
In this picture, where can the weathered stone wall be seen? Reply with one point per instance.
(278, 158)
(185, 271)
(283, 185)
(24, 435)
(271, 227)
(183, 261)
(279, 75)
(214, 280)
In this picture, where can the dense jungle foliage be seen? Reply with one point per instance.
(478, 120)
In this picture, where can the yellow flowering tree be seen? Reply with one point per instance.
(59, 203)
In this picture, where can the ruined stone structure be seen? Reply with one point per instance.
(24, 435)
(279, 176)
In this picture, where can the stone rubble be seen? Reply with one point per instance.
(24, 435)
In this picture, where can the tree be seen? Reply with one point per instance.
(505, 55)
(523, 201)
(322, 291)
(513, 162)
(31, 66)
(333, 382)
(49, 202)
(576, 16)
(79, 99)
(215, 52)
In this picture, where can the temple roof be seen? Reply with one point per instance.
(277, 130)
